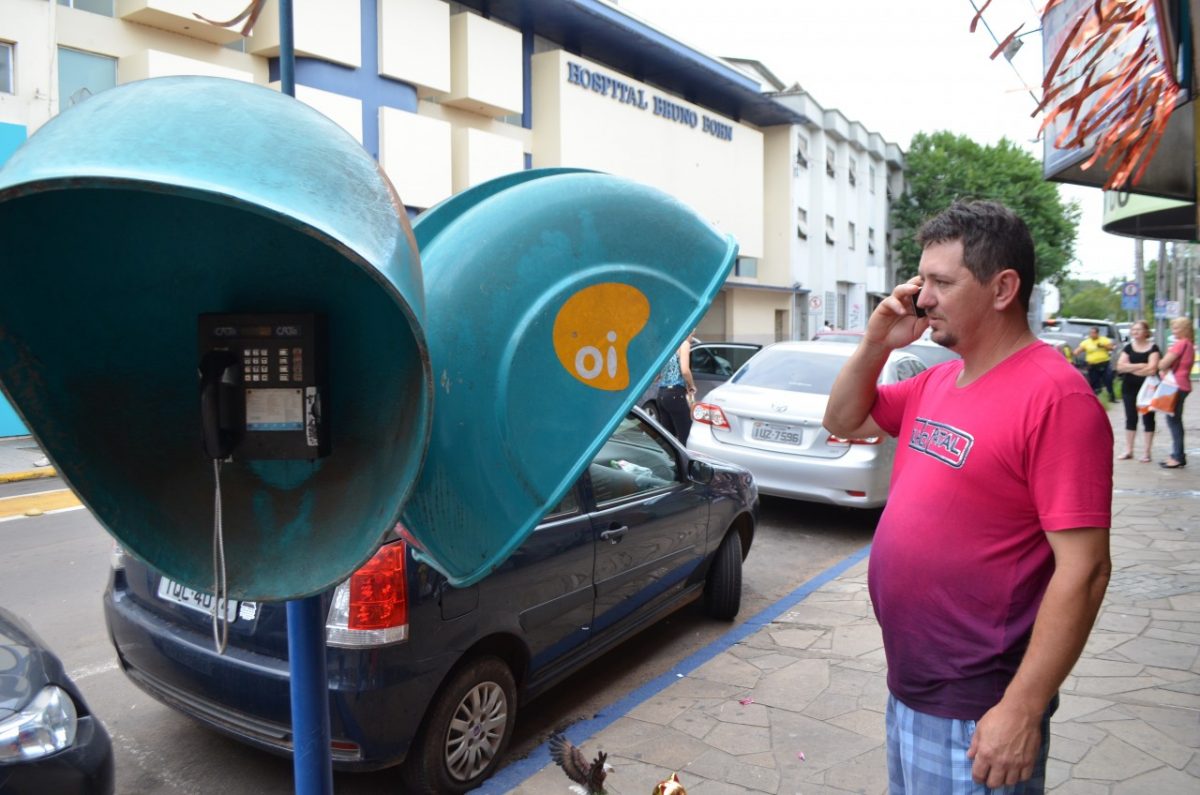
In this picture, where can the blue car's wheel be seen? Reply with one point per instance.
(723, 591)
(467, 729)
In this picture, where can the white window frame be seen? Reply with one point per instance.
(851, 233)
(8, 52)
(870, 240)
(830, 226)
(112, 7)
(872, 177)
(852, 172)
(830, 161)
(802, 223)
(802, 151)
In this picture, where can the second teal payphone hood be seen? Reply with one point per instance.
(553, 299)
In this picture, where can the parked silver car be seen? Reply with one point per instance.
(767, 418)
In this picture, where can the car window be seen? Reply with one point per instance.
(636, 459)
(721, 360)
(907, 368)
(569, 504)
(930, 354)
(707, 362)
(735, 355)
(776, 368)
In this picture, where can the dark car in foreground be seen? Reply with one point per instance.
(49, 741)
(431, 676)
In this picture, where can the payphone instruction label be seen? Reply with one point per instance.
(274, 409)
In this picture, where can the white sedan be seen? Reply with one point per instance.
(767, 418)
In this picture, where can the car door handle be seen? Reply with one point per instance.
(613, 535)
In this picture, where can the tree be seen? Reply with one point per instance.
(943, 167)
(1090, 298)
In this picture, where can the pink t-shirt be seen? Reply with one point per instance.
(960, 559)
(1186, 351)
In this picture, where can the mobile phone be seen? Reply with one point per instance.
(918, 311)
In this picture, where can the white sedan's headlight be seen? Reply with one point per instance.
(45, 726)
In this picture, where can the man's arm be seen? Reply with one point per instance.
(1008, 737)
(891, 326)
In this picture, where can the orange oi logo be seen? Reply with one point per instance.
(593, 330)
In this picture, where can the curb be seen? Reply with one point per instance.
(31, 474)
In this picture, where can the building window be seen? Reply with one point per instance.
(746, 266)
(801, 151)
(870, 240)
(850, 230)
(829, 227)
(6, 68)
(829, 161)
(853, 172)
(81, 74)
(802, 223)
(871, 174)
(103, 7)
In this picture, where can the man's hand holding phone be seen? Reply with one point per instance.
(898, 321)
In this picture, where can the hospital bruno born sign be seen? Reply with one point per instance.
(626, 94)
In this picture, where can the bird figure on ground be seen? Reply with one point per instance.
(589, 776)
(670, 786)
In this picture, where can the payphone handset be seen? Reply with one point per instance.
(263, 386)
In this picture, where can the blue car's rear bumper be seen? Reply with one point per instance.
(376, 697)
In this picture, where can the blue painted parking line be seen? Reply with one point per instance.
(513, 775)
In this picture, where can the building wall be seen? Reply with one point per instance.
(585, 114)
(757, 315)
(839, 175)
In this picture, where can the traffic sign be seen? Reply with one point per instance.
(1129, 295)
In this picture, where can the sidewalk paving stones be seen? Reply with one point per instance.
(797, 706)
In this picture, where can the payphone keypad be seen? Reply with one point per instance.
(281, 366)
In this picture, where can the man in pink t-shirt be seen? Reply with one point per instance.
(991, 557)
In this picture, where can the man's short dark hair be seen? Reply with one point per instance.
(993, 238)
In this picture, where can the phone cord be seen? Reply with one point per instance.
(220, 618)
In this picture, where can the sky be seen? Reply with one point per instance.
(899, 67)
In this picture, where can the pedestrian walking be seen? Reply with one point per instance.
(1178, 362)
(991, 559)
(676, 390)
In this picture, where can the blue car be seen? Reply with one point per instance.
(50, 742)
(428, 676)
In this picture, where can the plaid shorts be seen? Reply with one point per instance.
(927, 755)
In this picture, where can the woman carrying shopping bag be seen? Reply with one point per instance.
(1178, 362)
(1138, 359)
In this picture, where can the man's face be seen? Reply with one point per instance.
(955, 302)
(1094, 333)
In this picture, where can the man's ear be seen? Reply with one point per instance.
(1006, 287)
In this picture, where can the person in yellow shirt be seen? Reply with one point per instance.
(1097, 351)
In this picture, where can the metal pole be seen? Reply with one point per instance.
(312, 761)
(287, 49)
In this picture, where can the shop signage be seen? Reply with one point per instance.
(627, 94)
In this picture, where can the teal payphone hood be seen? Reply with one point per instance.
(132, 213)
(554, 298)
(477, 360)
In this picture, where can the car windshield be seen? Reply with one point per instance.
(1070, 327)
(930, 354)
(779, 368)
